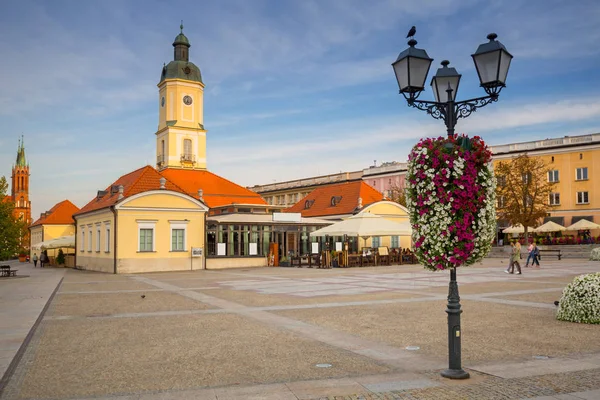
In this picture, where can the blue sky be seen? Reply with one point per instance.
(293, 88)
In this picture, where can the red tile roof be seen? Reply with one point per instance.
(217, 191)
(347, 194)
(60, 214)
(138, 181)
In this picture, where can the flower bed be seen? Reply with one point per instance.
(580, 301)
(451, 201)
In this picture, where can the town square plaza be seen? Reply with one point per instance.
(291, 333)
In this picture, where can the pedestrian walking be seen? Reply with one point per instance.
(514, 260)
(535, 255)
(43, 259)
(35, 259)
(529, 255)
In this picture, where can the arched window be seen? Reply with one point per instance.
(22, 202)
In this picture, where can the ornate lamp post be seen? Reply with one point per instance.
(492, 62)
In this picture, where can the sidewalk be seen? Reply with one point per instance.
(23, 298)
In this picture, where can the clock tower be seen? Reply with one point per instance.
(181, 137)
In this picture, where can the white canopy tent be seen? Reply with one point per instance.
(517, 229)
(583, 225)
(365, 225)
(550, 226)
(57, 243)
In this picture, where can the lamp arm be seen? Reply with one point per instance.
(433, 108)
(462, 109)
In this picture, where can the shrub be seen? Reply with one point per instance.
(580, 301)
(60, 258)
(595, 254)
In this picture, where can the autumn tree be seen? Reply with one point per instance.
(11, 229)
(398, 194)
(523, 190)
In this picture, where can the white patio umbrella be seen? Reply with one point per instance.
(583, 225)
(516, 229)
(550, 226)
(365, 225)
(59, 242)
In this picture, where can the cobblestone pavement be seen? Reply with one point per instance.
(264, 333)
(495, 388)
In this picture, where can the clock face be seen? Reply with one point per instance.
(162, 101)
(187, 100)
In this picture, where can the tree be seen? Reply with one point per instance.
(398, 194)
(523, 190)
(11, 229)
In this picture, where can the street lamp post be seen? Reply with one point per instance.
(492, 62)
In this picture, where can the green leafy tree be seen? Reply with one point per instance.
(523, 190)
(11, 229)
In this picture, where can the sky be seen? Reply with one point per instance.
(294, 88)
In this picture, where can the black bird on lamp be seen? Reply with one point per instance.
(412, 32)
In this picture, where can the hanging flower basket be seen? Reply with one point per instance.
(451, 201)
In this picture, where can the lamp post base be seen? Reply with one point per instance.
(455, 374)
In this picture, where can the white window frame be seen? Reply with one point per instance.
(90, 239)
(98, 237)
(583, 194)
(107, 237)
(82, 249)
(501, 201)
(553, 197)
(146, 225)
(395, 240)
(553, 176)
(178, 225)
(581, 171)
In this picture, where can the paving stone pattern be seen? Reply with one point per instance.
(260, 333)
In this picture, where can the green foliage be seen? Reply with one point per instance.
(11, 229)
(580, 301)
(60, 258)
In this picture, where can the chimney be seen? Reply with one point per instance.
(42, 215)
(360, 202)
(120, 192)
(162, 181)
(200, 194)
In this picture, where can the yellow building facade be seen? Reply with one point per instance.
(147, 231)
(392, 211)
(574, 164)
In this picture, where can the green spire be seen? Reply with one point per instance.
(21, 160)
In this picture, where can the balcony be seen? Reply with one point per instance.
(160, 160)
(187, 158)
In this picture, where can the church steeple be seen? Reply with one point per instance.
(21, 160)
(182, 46)
(20, 184)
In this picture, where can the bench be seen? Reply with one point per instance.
(554, 252)
(6, 271)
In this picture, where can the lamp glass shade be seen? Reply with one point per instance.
(492, 62)
(411, 69)
(445, 78)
